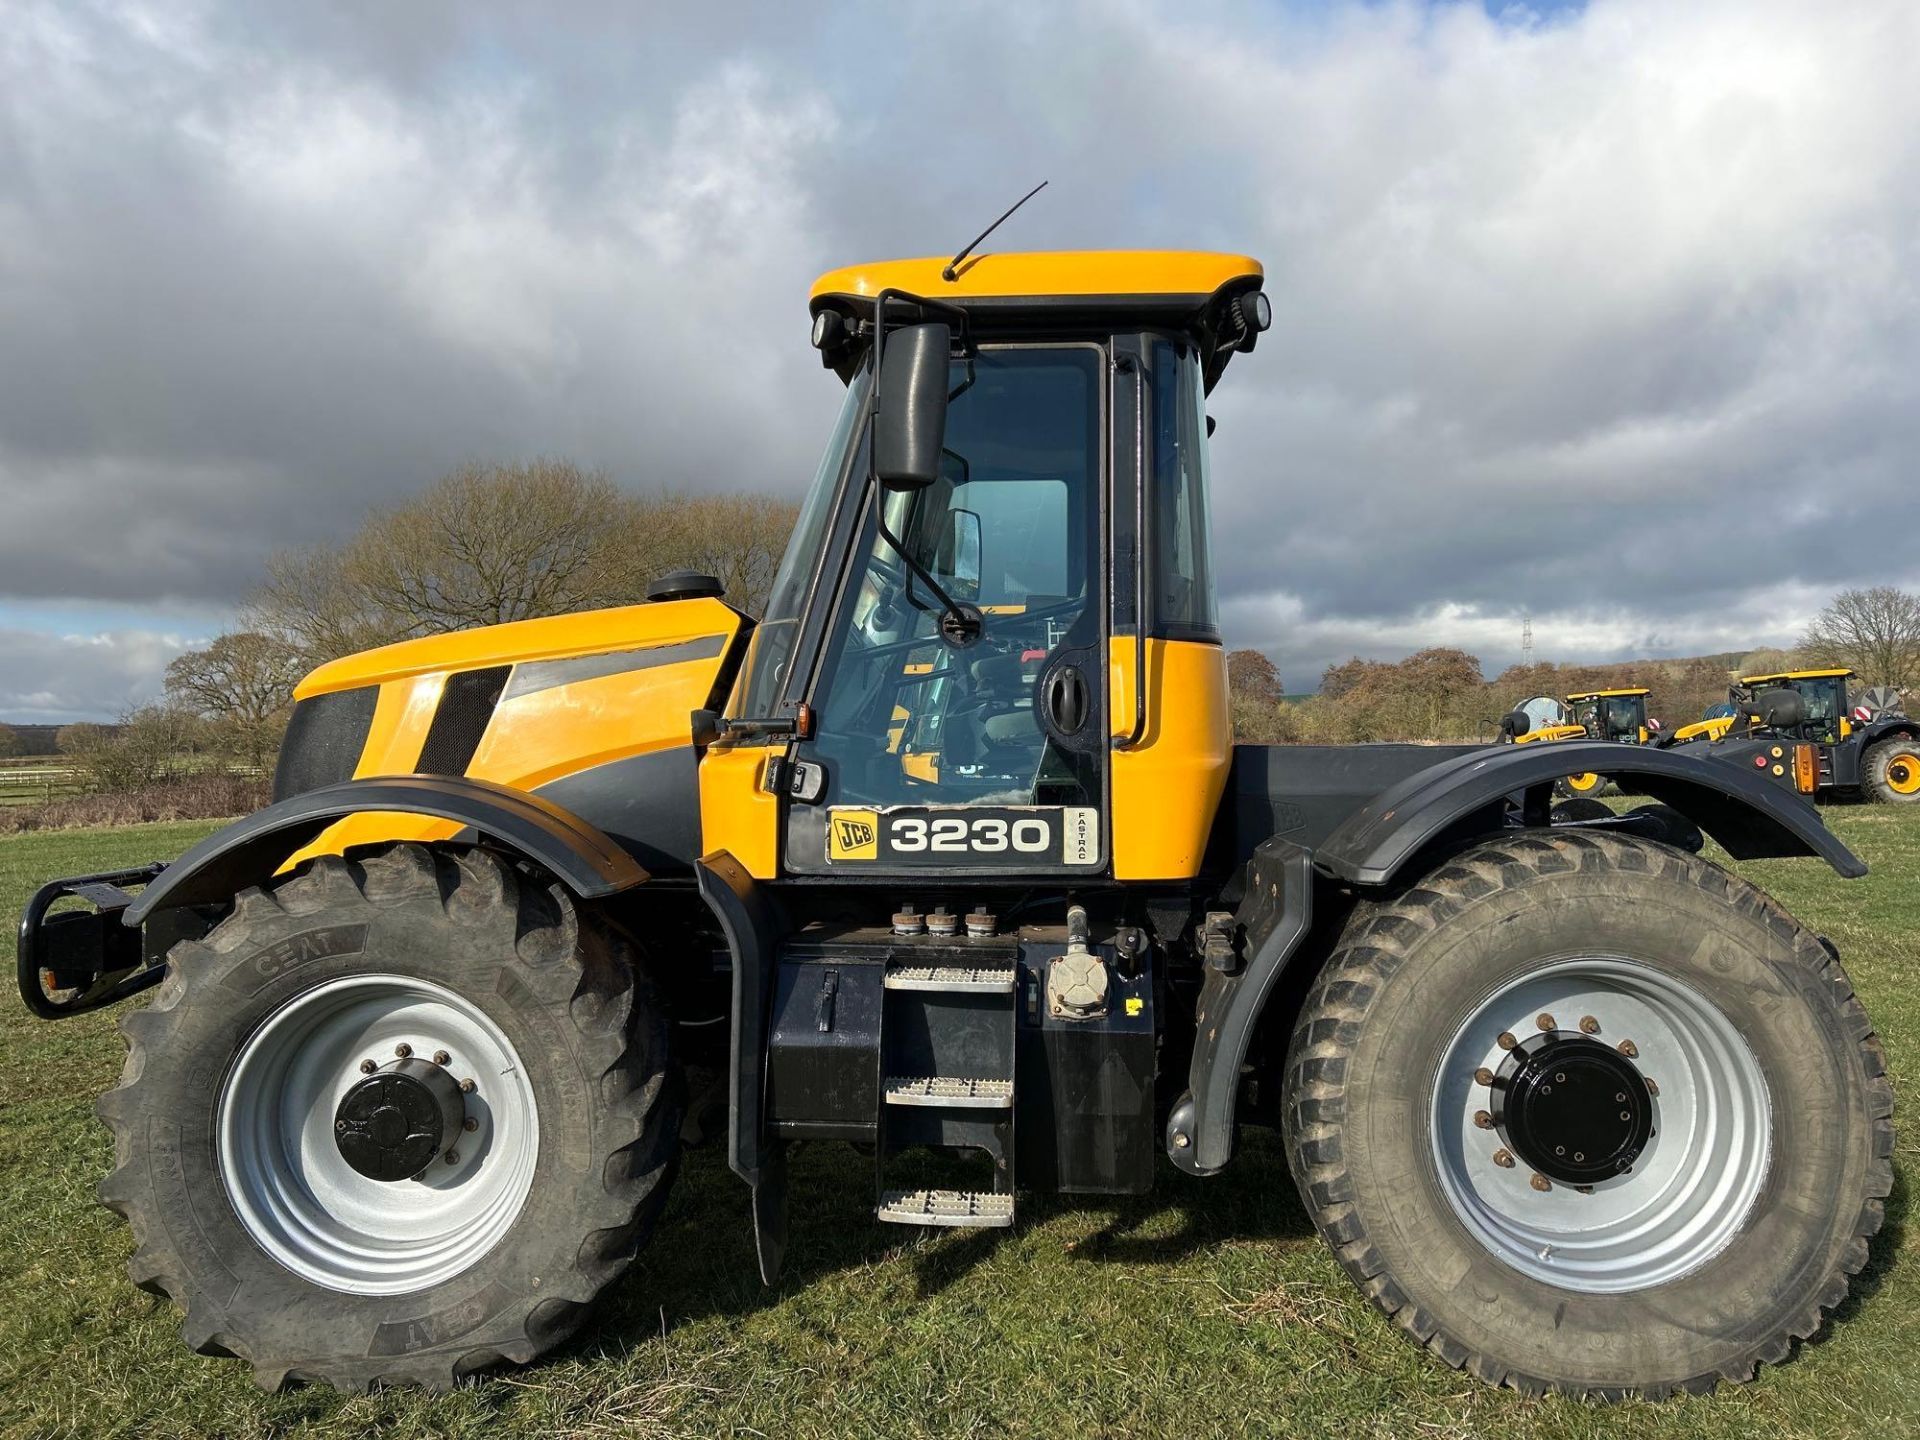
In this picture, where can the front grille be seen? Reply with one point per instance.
(324, 739)
(466, 705)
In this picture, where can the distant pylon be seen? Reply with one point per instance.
(1526, 639)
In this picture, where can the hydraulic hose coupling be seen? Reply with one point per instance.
(1077, 982)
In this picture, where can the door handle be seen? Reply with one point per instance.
(1067, 699)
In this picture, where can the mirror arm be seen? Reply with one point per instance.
(949, 609)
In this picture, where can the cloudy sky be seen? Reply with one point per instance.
(1606, 312)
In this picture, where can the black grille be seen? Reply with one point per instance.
(466, 705)
(324, 740)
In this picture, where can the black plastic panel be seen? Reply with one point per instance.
(324, 740)
(466, 705)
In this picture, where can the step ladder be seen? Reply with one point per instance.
(947, 1070)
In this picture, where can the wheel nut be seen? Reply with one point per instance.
(367, 1067)
(1503, 1158)
(1653, 1086)
(470, 1124)
(441, 1057)
(1483, 1076)
(1589, 1025)
(1628, 1049)
(453, 1157)
(1540, 1182)
(403, 1050)
(1543, 1020)
(467, 1087)
(340, 1125)
(1507, 1042)
(1483, 1119)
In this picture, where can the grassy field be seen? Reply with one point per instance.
(1207, 1308)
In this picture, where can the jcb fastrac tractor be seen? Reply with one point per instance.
(1573, 1107)
(1616, 715)
(1870, 751)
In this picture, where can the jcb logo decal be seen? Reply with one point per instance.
(853, 835)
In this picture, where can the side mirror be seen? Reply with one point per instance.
(912, 417)
(1515, 723)
(1777, 709)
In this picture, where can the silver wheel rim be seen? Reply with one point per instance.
(300, 1200)
(1690, 1190)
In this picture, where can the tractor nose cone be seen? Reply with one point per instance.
(392, 1124)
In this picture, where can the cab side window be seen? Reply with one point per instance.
(1184, 607)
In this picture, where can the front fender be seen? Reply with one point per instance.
(248, 851)
(1748, 815)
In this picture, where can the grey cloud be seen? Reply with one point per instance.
(1609, 319)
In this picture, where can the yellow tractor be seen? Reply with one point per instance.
(1865, 745)
(950, 858)
(1618, 715)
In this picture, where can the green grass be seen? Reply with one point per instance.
(1207, 1308)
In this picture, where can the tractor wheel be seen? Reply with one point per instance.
(1581, 785)
(1581, 1112)
(393, 1120)
(1892, 771)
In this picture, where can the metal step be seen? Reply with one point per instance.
(949, 1090)
(993, 977)
(974, 1208)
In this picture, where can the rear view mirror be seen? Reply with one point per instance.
(911, 420)
(1515, 723)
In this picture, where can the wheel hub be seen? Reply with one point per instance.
(1574, 1109)
(394, 1123)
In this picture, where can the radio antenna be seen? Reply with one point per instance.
(952, 272)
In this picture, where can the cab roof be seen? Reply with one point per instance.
(1608, 694)
(1049, 293)
(1829, 674)
(1047, 277)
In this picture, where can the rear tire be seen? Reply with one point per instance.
(1892, 771)
(544, 1180)
(1770, 1080)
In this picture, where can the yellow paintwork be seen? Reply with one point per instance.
(539, 736)
(1585, 783)
(1043, 275)
(737, 813)
(553, 637)
(1166, 789)
(1837, 674)
(1714, 729)
(1551, 732)
(1574, 699)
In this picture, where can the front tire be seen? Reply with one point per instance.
(261, 1154)
(1544, 1243)
(1892, 770)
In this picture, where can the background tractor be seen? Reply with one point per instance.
(1865, 745)
(951, 856)
(1618, 715)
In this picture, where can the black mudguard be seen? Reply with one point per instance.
(1750, 816)
(1273, 918)
(247, 852)
(751, 934)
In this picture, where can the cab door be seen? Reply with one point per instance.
(979, 748)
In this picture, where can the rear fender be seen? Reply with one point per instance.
(1751, 817)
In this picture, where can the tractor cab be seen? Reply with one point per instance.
(1824, 712)
(952, 669)
(1619, 715)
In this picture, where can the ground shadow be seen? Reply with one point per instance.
(701, 1262)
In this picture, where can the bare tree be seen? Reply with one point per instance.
(243, 684)
(1875, 633)
(1251, 675)
(9, 742)
(492, 544)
